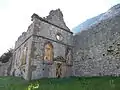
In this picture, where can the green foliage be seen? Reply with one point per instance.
(33, 86)
(73, 83)
(6, 56)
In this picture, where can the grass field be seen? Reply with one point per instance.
(73, 83)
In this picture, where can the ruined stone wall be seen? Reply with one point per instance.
(21, 58)
(21, 55)
(97, 49)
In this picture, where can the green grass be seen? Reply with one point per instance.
(73, 83)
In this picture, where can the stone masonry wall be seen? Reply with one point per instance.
(21, 55)
(97, 50)
(5, 68)
(21, 58)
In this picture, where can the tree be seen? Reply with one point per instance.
(6, 56)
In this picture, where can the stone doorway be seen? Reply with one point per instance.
(59, 70)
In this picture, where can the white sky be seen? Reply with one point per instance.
(15, 15)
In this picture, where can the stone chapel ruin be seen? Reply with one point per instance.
(49, 49)
(45, 50)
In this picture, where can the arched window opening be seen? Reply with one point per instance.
(48, 51)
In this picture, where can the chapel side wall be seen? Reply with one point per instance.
(21, 53)
(22, 60)
(97, 50)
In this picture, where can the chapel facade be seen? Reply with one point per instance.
(45, 50)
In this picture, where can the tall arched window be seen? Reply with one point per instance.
(48, 51)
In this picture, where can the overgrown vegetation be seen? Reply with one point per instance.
(6, 56)
(73, 83)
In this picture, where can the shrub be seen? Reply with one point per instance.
(6, 56)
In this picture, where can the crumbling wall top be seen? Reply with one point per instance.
(55, 18)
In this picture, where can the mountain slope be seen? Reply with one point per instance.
(86, 24)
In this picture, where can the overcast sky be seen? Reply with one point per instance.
(15, 15)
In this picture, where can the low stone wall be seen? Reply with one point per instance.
(5, 68)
